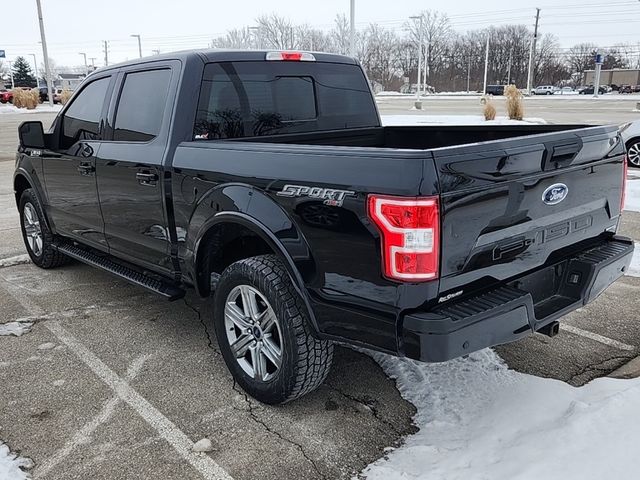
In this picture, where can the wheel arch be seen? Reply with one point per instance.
(217, 248)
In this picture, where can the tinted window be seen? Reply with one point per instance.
(82, 119)
(244, 99)
(141, 106)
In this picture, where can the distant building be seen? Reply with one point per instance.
(618, 76)
(70, 81)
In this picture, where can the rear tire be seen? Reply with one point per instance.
(633, 153)
(36, 234)
(263, 331)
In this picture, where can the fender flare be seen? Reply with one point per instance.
(272, 241)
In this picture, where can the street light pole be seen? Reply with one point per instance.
(257, 37)
(13, 84)
(45, 52)
(418, 103)
(139, 44)
(352, 30)
(486, 66)
(35, 67)
(86, 67)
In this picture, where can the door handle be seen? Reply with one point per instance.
(86, 169)
(147, 179)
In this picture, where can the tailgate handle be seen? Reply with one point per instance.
(557, 156)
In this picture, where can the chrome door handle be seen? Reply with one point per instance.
(147, 179)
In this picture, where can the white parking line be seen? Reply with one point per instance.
(83, 436)
(598, 338)
(204, 464)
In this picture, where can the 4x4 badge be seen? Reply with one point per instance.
(331, 196)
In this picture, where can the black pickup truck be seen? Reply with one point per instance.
(266, 182)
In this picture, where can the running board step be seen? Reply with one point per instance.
(166, 289)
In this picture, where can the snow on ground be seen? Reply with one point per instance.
(400, 120)
(632, 201)
(12, 261)
(39, 109)
(480, 420)
(634, 268)
(16, 328)
(10, 465)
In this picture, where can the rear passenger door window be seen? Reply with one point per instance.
(141, 106)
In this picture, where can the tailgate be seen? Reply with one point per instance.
(507, 206)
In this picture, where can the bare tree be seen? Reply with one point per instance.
(580, 57)
(378, 56)
(277, 32)
(340, 35)
(238, 38)
(436, 37)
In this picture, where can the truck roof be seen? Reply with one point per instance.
(216, 55)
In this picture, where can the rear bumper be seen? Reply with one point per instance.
(517, 309)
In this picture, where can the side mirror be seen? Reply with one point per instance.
(31, 135)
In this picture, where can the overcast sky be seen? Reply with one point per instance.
(74, 26)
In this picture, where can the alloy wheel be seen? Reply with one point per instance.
(253, 332)
(32, 229)
(633, 154)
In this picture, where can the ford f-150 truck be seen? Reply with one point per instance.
(266, 182)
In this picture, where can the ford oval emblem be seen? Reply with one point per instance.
(555, 194)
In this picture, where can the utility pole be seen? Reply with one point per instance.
(596, 80)
(352, 34)
(468, 73)
(486, 65)
(35, 67)
(45, 53)
(106, 53)
(418, 103)
(257, 37)
(139, 44)
(86, 67)
(425, 72)
(532, 52)
(13, 84)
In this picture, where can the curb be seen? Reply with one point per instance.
(628, 370)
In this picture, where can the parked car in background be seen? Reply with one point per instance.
(590, 89)
(625, 89)
(6, 96)
(44, 94)
(545, 90)
(630, 133)
(495, 89)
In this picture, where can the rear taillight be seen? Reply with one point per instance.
(625, 171)
(410, 229)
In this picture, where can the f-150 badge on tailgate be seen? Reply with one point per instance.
(331, 196)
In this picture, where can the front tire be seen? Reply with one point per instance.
(263, 331)
(37, 237)
(633, 153)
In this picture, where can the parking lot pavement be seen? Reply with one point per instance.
(576, 109)
(113, 382)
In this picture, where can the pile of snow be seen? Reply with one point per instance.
(16, 328)
(634, 268)
(404, 120)
(13, 261)
(10, 465)
(480, 420)
(632, 201)
(39, 109)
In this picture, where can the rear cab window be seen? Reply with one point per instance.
(252, 99)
